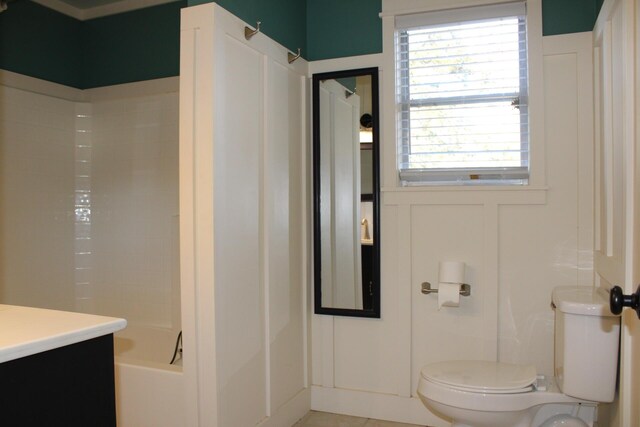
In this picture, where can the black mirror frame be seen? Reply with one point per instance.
(317, 267)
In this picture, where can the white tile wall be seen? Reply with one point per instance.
(134, 204)
(36, 199)
(89, 203)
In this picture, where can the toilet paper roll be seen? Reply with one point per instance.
(448, 295)
(451, 272)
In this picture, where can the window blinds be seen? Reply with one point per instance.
(462, 96)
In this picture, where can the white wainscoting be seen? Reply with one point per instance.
(518, 244)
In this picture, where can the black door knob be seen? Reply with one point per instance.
(618, 300)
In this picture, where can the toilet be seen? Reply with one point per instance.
(476, 393)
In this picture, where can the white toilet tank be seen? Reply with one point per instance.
(586, 343)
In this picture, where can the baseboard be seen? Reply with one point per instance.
(292, 411)
(374, 405)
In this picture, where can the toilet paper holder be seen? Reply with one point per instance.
(465, 289)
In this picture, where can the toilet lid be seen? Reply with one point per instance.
(482, 376)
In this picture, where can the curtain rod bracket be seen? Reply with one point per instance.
(248, 32)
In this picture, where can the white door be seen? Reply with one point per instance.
(617, 257)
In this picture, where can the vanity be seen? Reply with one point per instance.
(56, 368)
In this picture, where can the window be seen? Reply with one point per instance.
(462, 96)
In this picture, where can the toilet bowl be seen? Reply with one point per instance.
(488, 394)
(492, 394)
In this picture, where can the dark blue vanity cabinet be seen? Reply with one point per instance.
(69, 386)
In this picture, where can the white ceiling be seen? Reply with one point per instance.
(89, 9)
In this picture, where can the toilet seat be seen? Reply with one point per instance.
(527, 389)
(476, 376)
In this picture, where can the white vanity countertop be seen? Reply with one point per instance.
(25, 330)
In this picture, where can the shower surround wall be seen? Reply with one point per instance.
(134, 190)
(89, 198)
(36, 198)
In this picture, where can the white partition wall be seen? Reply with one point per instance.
(243, 215)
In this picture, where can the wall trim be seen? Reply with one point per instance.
(42, 87)
(106, 93)
(563, 44)
(347, 63)
(135, 89)
(407, 7)
(464, 196)
(99, 11)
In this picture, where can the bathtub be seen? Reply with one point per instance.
(149, 391)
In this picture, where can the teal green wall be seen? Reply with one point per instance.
(282, 20)
(134, 46)
(144, 44)
(38, 42)
(337, 28)
(569, 16)
(139, 45)
(348, 82)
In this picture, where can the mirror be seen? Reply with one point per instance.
(346, 193)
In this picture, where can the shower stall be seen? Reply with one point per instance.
(89, 221)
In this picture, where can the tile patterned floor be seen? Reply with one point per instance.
(325, 419)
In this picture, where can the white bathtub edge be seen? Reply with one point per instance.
(149, 394)
(145, 364)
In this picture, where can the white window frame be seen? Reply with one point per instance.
(515, 175)
(391, 10)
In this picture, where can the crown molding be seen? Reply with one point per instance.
(118, 6)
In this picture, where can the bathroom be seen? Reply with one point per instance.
(129, 267)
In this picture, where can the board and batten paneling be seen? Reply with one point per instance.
(518, 244)
(243, 207)
(542, 247)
